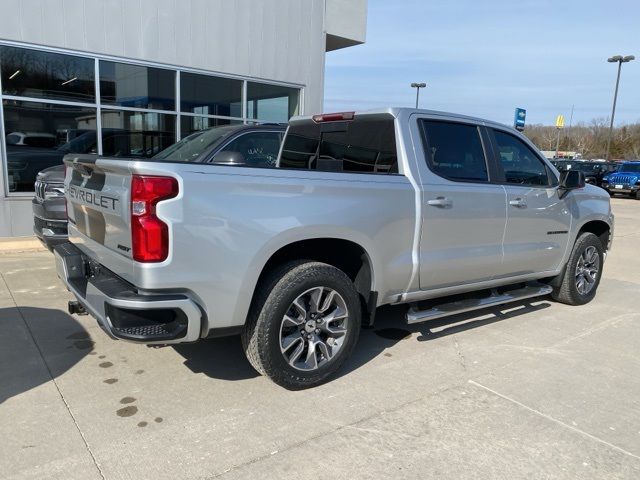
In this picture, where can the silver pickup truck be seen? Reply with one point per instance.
(442, 212)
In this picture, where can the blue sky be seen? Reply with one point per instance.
(485, 58)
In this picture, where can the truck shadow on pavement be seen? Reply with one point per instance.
(36, 346)
(223, 358)
(391, 328)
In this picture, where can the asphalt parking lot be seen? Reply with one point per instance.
(535, 390)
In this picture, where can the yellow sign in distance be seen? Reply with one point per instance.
(560, 121)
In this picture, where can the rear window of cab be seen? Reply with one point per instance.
(366, 144)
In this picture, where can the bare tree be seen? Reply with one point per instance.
(590, 139)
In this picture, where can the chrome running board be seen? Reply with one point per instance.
(415, 315)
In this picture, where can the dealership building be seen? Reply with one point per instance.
(129, 78)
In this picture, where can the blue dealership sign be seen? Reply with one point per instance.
(518, 120)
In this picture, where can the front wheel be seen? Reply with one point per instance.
(582, 273)
(303, 324)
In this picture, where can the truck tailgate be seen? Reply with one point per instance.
(98, 206)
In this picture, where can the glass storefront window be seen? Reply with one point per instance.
(38, 135)
(49, 107)
(271, 103)
(137, 86)
(136, 134)
(209, 95)
(189, 124)
(38, 74)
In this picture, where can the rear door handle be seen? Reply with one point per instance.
(518, 203)
(440, 202)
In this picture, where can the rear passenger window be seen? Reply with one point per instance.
(519, 163)
(454, 151)
(366, 144)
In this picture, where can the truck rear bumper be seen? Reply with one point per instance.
(121, 310)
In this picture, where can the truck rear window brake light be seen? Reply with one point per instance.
(333, 117)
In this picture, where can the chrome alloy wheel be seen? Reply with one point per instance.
(314, 328)
(587, 270)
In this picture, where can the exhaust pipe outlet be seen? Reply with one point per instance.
(76, 307)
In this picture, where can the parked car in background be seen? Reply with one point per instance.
(251, 145)
(392, 206)
(605, 169)
(48, 205)
(625, 180)
(594, 171)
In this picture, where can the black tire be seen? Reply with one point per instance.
(261, 338)
(567, 292)
(638, 195)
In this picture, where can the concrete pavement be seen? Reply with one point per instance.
(535, 390)
(20, 244)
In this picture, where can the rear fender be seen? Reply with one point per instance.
(292, 236)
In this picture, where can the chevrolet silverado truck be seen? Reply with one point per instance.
(441, 212)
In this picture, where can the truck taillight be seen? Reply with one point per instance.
(149, 234)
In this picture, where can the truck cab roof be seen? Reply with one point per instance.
(407, 111)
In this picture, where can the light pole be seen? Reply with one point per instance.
(619, 59)
(418, 86)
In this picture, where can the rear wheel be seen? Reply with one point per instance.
(303, 324)
(582, 273)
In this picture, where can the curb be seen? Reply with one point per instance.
(20, 244)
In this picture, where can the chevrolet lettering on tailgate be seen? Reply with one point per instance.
(92, 198)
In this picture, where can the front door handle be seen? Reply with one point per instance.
(441, 202)
(518, 203)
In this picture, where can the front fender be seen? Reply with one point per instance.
(590, 204)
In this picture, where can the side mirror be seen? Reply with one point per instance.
(571, 180)
(228, 158)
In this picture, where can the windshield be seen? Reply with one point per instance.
(84, 143)
(630, 167)
(190, 148)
